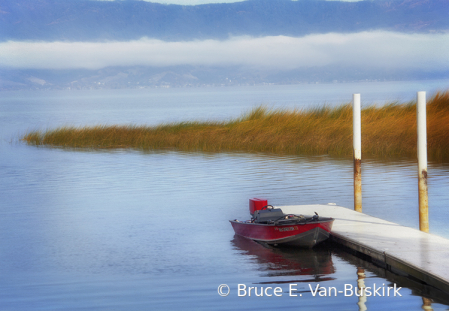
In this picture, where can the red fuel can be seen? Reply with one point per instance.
(256, 205)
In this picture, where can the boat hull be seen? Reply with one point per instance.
(302, 235)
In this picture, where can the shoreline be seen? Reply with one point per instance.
(387, 131)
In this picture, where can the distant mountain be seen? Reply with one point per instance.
(193, 76)
(89, 20)
(85, 20)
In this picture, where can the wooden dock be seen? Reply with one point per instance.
(400, 249)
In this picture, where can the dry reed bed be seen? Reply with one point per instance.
(387, 131)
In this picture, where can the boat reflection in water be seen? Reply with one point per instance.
(288, 261)
(300, 265)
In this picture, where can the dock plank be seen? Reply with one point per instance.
(399, 248)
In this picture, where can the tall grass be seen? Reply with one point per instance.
(387, 131)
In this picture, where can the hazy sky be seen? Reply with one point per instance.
(196, 2)
(192, 2)
(377, 49)
(187, 2)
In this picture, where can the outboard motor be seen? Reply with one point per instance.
(256, 205)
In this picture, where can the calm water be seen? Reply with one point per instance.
(131, 230)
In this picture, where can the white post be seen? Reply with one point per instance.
(422, 162)
(357, 147)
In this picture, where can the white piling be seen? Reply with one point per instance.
(357, 149)
(422, 162)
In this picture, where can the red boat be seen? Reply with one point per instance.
(270, 225)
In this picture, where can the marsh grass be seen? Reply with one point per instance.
(387, 131)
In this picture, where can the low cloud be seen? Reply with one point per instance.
(365, 50)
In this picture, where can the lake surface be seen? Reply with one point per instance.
(133, 230)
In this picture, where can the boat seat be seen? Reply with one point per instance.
(268, 215)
